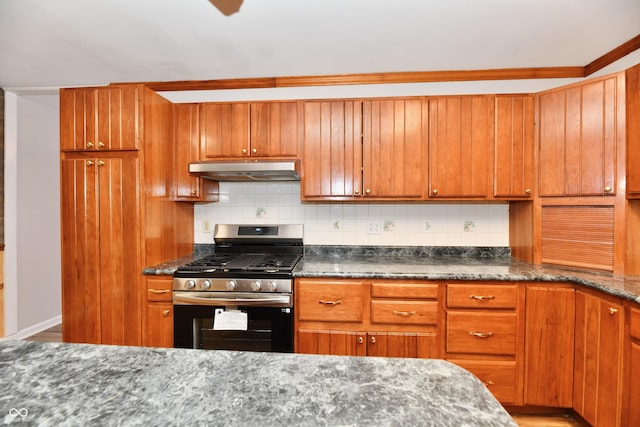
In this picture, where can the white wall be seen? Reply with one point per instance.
(32, 213)
(387, 224)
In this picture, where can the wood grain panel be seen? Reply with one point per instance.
(224, 130)
(501, 331)
(404, 312)
(274, 129)
(479, 295)
(632, 94)
(500, 377)
(404, 290)
(329, 301)
(578, 236)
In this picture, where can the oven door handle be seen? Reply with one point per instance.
(272, 301)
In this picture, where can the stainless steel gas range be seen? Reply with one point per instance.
(240, 297)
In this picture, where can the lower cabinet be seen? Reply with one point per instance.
(158, 312)
(485, 334)
(367, 318)
(633, 374)
(597, 383)
(549, 332)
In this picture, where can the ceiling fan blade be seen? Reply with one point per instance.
(227, 7)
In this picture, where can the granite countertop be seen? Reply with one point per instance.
(83, 384)
(436, 264)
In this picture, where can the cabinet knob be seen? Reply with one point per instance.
(100, 144)
(607, 189)
(166, 312)
(435, 192)
(612, 311)
(254, 150)
(89, 144)
(356, 192)
(489, 383)
(244, 151)
(100, 163)
(360, 340)
(90, 162)
(527, 191)
(373, 340)
(367, 191)
(193, 192)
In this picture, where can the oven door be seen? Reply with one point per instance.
(269, 329)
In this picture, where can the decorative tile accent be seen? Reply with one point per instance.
(261, 213)
(469, 226)
(388, 225)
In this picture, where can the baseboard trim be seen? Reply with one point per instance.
(32, 330)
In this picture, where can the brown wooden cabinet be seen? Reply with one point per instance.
(117, 217)
(186, 131)
(157, 329)
(580, 127)
(261, 129)
(378, 318)
(514, 147)
(549, 332)
(599, 338)
(485, 333)
(632, 412)
(461, 140)
(99, 118)
(372, 149)
(632, 95)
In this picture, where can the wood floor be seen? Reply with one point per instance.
(54, 334)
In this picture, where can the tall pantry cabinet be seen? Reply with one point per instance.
(117, 213)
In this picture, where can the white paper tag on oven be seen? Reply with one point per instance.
(229, 320)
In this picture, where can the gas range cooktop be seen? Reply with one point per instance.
(240, 265)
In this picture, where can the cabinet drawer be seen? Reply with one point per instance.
(634, 322)
(478, 295)
(481, 333)
(498, 377)
(404, 290)
(404, 312)
(159, 289)
(326, 301)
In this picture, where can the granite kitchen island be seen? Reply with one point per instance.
(82, 384)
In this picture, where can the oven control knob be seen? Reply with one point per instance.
(231, 285)
(190, 284)
(272, 286)
(206, 284)
(256, 285)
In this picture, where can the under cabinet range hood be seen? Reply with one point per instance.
(247, 170)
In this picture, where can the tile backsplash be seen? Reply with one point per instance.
(388, 224)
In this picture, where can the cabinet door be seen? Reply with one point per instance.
(329, 300)
(633, 405)
(99, 119)
(597, 384)
(159, 332)
(332, 150)
(514, 145)
(275, 129)
(578, 139)
(339, 343)
(224, 130)
(100, 228)
(80, 251)
(632, 95)
(461, 134)
(402, 344)
(394, 147)
(549, 334)
(187, 149)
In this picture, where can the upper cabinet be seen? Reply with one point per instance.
(632, 93)
(332, 150)
(186, 133)
(263, 129)
(99, 119)
(514, 147)
(371, 149)
(461, 135)
(394, 148)
(579, 133)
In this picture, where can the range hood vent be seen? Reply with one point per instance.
(247, 170)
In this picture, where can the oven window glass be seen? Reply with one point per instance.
(268, 329)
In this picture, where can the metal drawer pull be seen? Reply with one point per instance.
(482, 297)
(404, 313)
(159, 291)
(613, 310)
(166, 312)
(481, 334)
(330, 302)
(489, 383)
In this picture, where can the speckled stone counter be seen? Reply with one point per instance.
(77, 384)
(433, 263)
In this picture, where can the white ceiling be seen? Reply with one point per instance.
(54, 43)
